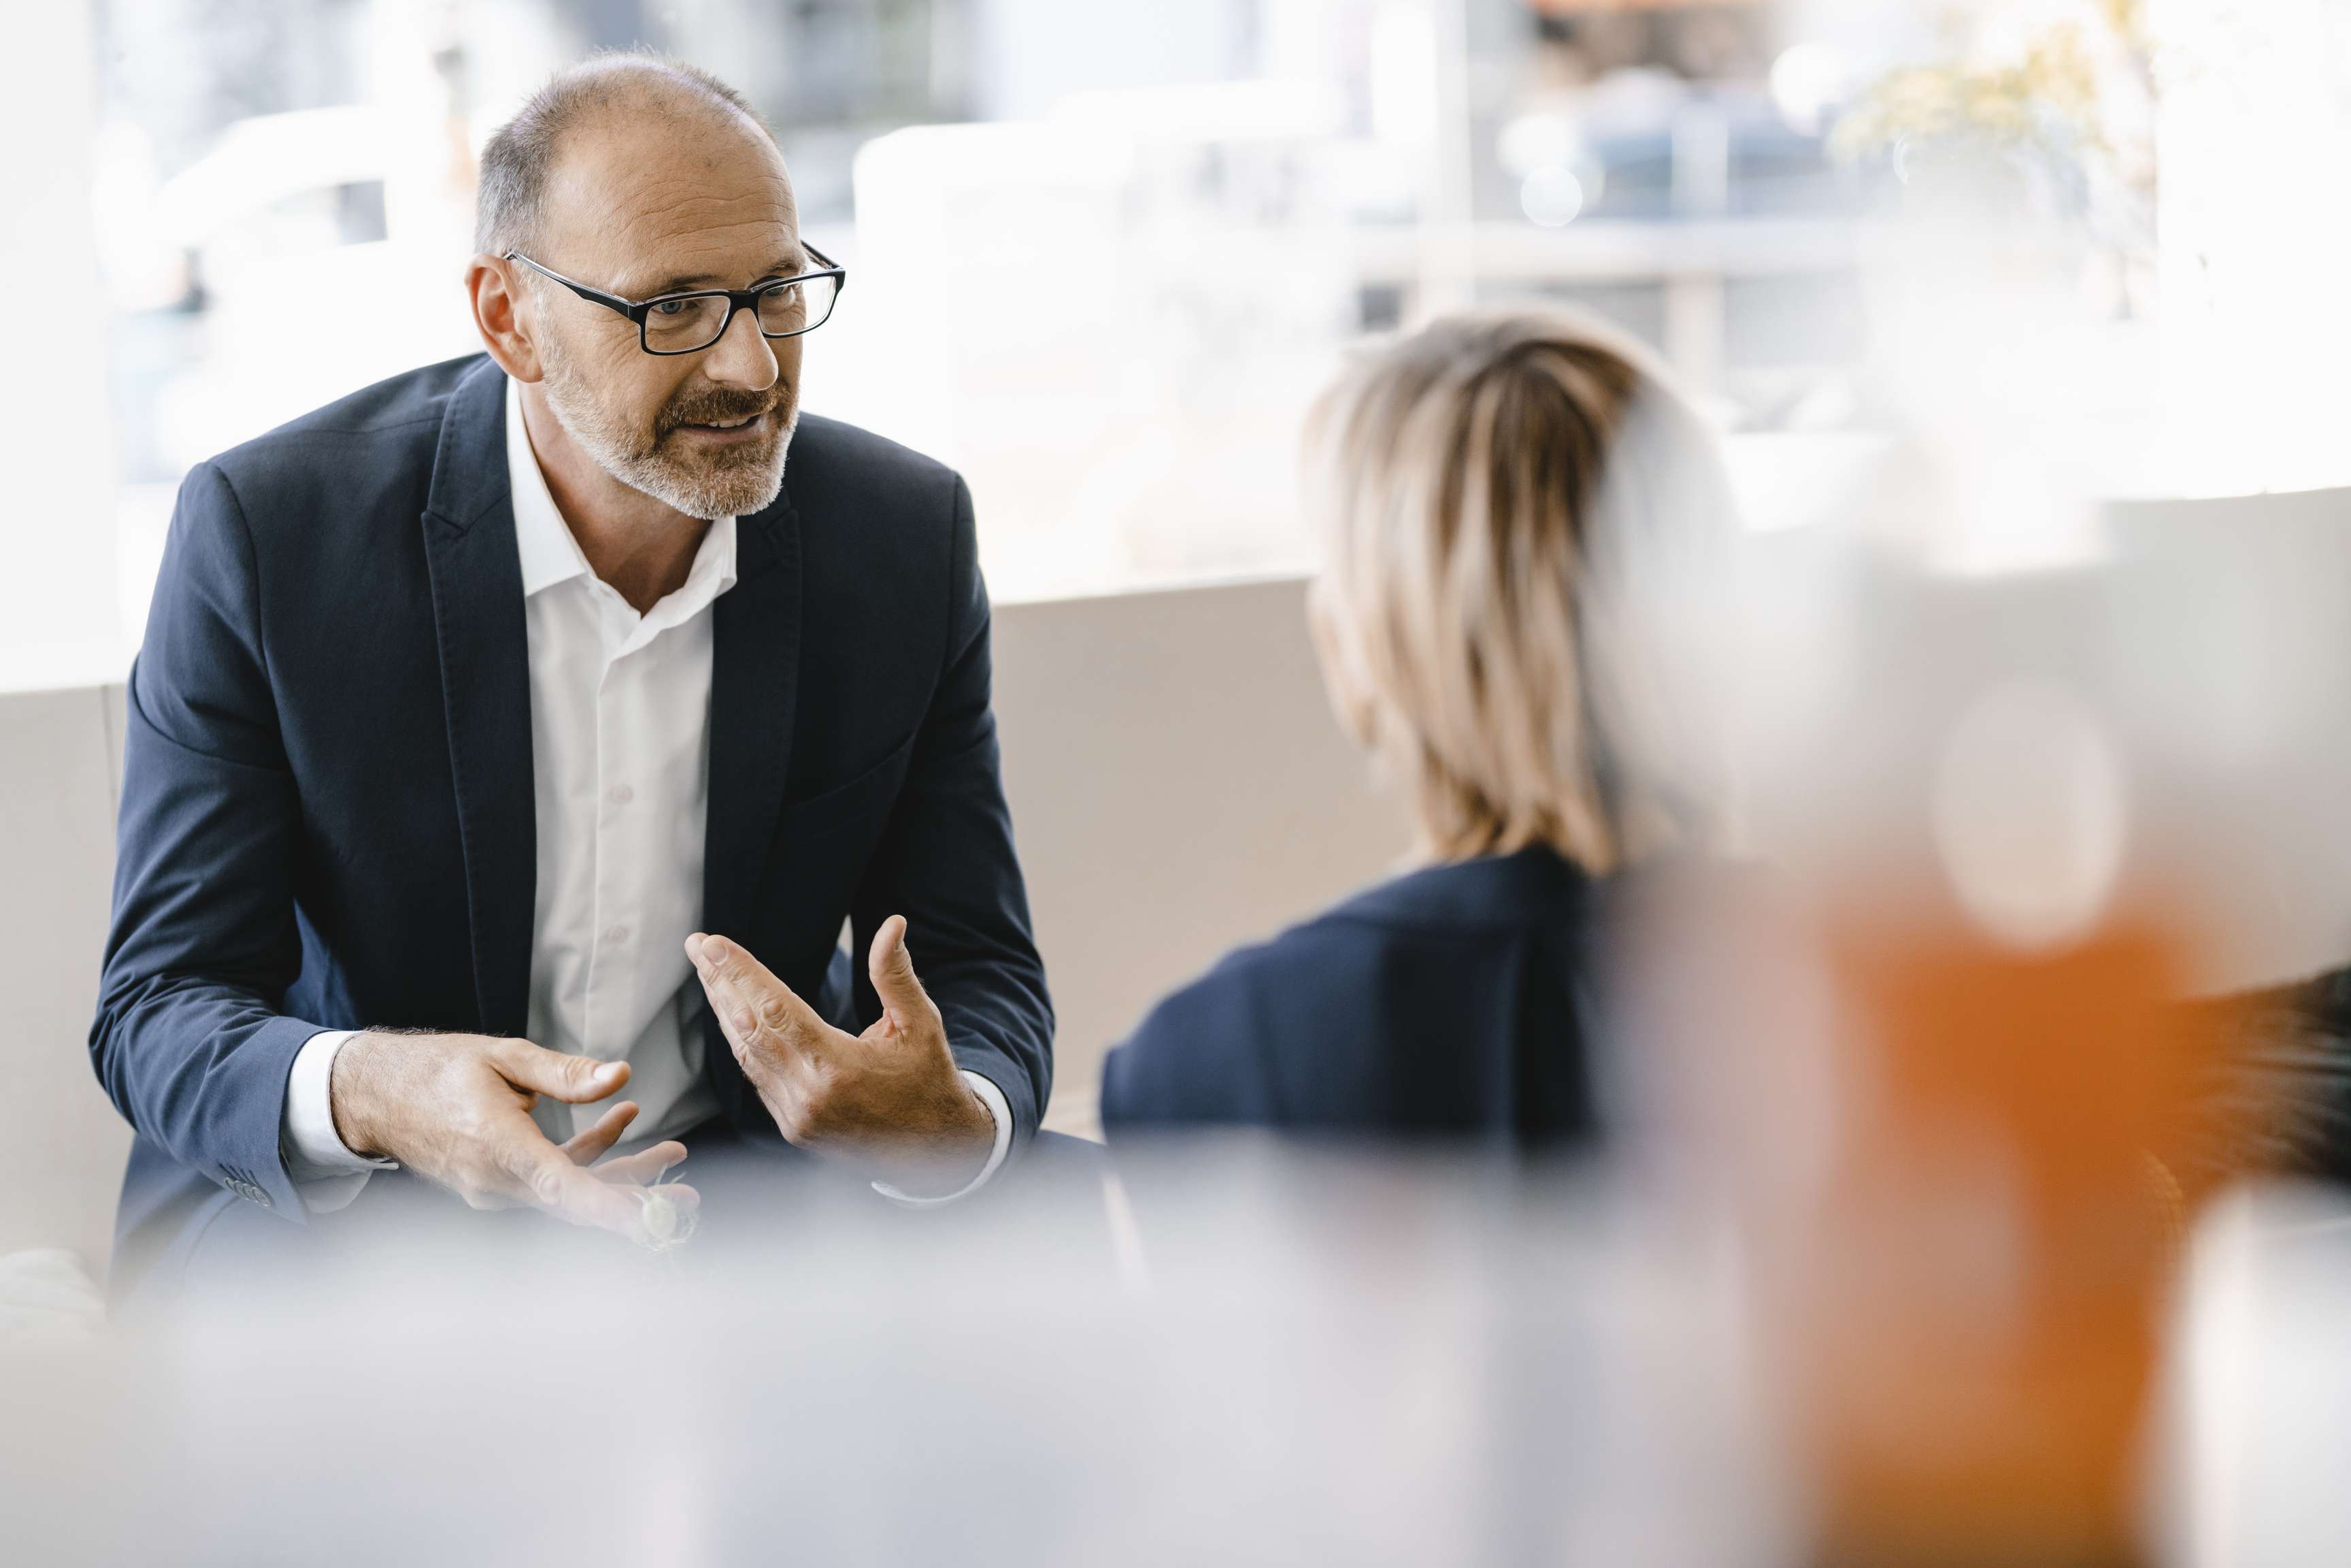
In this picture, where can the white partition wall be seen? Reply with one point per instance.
(1177, 783)
(61, 1159)
(1178, 786)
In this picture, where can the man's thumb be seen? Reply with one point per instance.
(891, 969)
(575, 1080)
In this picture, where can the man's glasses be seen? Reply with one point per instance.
(689, 323)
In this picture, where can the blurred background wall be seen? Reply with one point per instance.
(1101, 254)
(1256, 809)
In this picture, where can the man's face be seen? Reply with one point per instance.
(649, 206)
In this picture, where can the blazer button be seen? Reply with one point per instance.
(249, 1191)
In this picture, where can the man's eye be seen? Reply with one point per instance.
(672, 307)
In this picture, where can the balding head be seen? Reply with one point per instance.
(605, 93)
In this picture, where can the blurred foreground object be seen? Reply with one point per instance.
(1986, 1288)
(1963, 1173)
(1324, 1358)
(2026, 806)
(46, 1298)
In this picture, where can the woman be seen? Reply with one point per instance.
(1518, 516)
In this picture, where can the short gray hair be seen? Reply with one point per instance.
(512, 186)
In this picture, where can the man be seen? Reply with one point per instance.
(472, 704)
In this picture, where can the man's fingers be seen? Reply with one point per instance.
(891, 969)
(737, 1025)
(586, 1148)
(548, 1180)
(747, 998)
(575, 1079)
(642, 1168)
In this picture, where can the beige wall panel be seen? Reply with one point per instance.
(1178, 786)
(62, 1162)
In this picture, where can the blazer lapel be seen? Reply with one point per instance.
(477, 612)
(754, 678)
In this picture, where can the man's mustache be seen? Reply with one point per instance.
(721, 407)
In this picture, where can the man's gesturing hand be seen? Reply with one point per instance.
(891, 1096)
(456, 1109)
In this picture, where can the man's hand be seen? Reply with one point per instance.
(456, 1109)
(891, 1096)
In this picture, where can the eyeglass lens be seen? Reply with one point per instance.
(680, 326)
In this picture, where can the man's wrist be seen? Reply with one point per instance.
(347, 1096)
(971, 1124)
(310, 1135)
(998, 1111)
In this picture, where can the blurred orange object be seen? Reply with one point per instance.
(2020, 1140)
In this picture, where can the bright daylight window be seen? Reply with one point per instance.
(1102, 254)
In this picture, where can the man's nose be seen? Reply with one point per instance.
(741, 357)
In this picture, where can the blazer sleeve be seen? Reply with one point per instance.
(1202, 1057)
(945, 861)
(189, 1040)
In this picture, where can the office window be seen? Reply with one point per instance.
(1104, 254)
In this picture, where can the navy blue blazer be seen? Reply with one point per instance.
(327, 817)
(1453, 1001)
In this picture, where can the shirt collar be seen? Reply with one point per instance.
(550, 555)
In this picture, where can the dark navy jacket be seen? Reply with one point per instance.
(1454, 1001)
(327, 813)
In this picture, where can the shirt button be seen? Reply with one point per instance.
(621, 795)
(617, 936)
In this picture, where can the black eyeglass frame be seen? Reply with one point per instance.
(638, 310)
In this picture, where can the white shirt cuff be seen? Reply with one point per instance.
(1000, 1109)
(326, 1172)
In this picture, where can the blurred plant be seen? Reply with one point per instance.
(2048, 100)
(2073, 100)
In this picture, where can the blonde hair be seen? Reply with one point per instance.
(1511, 506)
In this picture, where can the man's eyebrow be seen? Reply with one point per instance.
(682, 285)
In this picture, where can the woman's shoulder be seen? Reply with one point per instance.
(1217, 1044)
(1464, 900)
(1534, 885)
(1461, 899)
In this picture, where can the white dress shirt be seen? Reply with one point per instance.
(620, 734)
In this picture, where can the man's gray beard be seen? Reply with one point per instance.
(710, 495)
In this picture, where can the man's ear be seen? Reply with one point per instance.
(499, 316)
